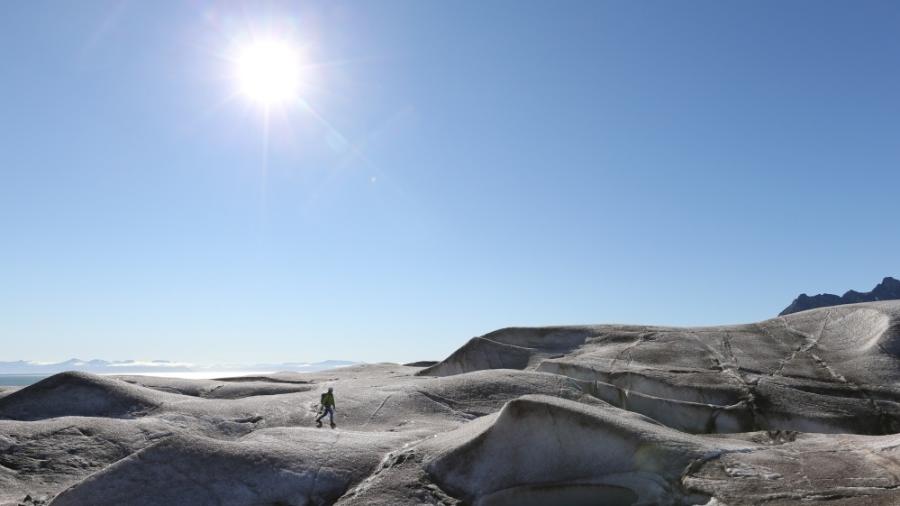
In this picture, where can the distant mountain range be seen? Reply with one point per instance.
(888, 289)
(158, 366)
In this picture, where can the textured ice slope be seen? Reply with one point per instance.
(798, 408)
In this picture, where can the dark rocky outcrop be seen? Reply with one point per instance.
(888, 289)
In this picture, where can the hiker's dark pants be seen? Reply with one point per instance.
(329, 410)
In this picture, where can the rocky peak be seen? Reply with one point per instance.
(888, 289)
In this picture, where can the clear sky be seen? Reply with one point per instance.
(446, 169)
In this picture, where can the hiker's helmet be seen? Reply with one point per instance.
(330, 389)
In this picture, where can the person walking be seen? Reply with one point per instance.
(326, 405)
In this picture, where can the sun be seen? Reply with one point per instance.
(268, 72)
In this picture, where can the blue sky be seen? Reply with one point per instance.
(451, 168)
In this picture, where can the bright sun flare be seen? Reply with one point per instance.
(269, 72)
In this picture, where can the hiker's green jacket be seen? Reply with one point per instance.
(328, 399)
